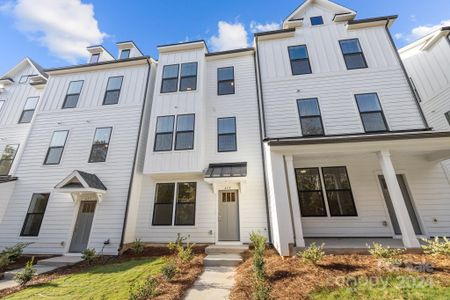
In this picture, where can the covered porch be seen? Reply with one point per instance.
(351, 191)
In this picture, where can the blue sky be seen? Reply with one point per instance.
(55, 32)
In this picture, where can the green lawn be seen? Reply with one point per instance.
(388, 288)
(101, 282)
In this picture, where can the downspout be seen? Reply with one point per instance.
(125, 219)
(262, 133)
(422, 115)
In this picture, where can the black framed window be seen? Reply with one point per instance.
(226, 135)
(35, 215)
(28, 110)
(339, 192)
(94, 58)
(372, 115)
(24, 79)
(100, 145)
(310, 192)
(164, 133)
(310, 118)
(7, 159)
(163, 207)
(188, 77)
(353, 54)
(185, 207)
(56, 148)
(113, 88)
(447, 116)
(124, 54)
(318, 20)
(169, 82)
(184, 136)
(73, 93)
(299, 58)
(225, 81)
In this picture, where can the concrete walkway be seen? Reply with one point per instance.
(42, 266)
(215, 283)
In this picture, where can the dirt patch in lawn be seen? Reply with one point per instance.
(172, 290)
(291, 278)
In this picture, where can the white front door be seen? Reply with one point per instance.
(228, 216)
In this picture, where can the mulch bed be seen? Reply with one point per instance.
(172, 290)
(291, 278)
(21, 261)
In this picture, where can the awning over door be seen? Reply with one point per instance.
(82, 185)
(5, 179)
(226, 176)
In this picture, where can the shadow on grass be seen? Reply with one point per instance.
(118, 267)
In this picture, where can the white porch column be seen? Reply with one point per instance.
(295, 203)
(404, 221)
(279, 209)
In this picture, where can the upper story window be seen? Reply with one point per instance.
(310, 118)
(28, 110)
(226, 135)
(299, 58)
(316, 20)
(225, 81)
(124, 54)
(112, 93)
(184, 137)
(164, 133)
(7, 159)
(353, 54)
(170, 79)
(94, 58)
(24, 79)
(372, 115)
(188, 78)
(100, 145)
(35, 215)
(73, 93)
(56, 148)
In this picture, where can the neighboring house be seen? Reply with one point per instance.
(203, 174)
(427, 62)
(77, 169)
(347, 149)
(20, 94)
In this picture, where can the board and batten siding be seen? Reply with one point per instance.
(59, 219)
(426, 181)
(331, 82)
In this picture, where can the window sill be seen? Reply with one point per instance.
(332, 218)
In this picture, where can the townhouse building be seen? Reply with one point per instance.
(20, 94)
(76, 173)
(203, 172)
(349, 154)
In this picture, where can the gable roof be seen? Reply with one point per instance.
(86, 181)
(338, 9)
(427, 41)
(39, 70)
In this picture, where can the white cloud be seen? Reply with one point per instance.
(421, 31)
(258, 27)
(230, 36)
(65, 27)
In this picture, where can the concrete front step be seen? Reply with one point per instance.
(226, 249)
(60, 261)
(222, 260)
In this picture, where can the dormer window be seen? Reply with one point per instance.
(24, 79)
(318, 20)
(94, 58)
(124, 54)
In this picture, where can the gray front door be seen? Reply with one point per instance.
(228, 216)
(408, 201)
(82, 230)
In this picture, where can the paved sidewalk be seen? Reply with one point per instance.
(214, 283)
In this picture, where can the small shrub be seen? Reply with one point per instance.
(437, 247)
(184, 253)
(27, 274)
(144, 291)
(14, 252)
(89, 255)
(386, 254)
(4, 262)
(138, 246)
(313, 254)
(261, 290)
(169, 270)
(261, 287)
